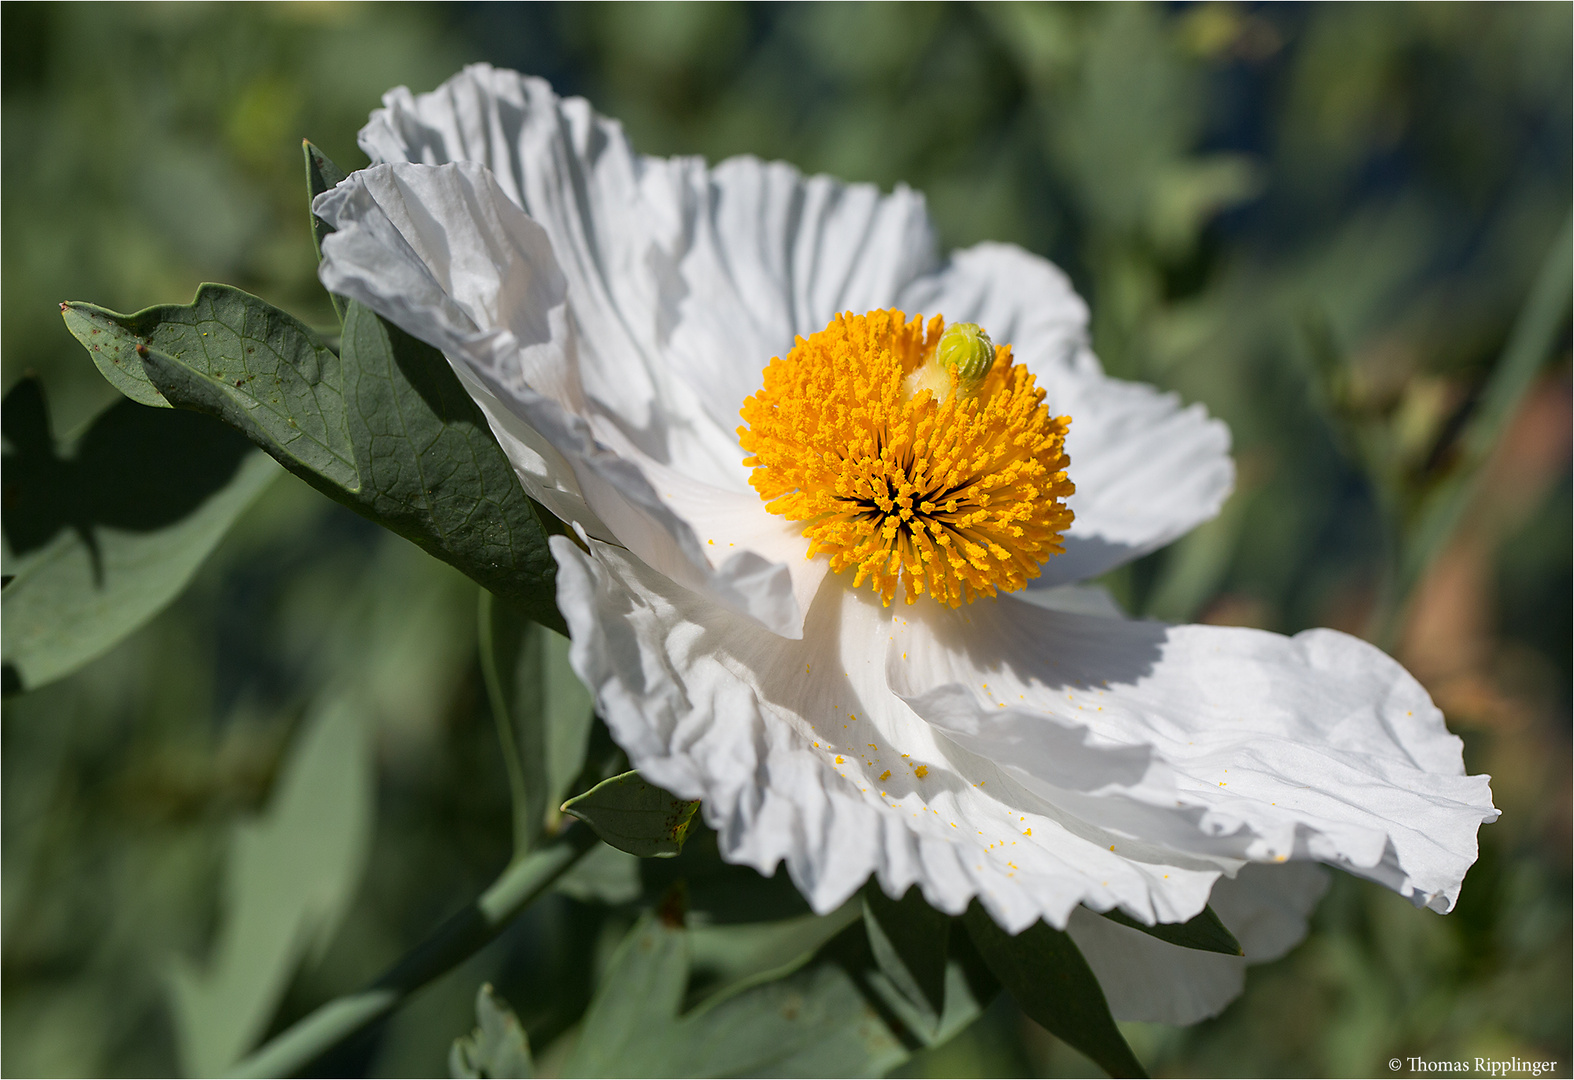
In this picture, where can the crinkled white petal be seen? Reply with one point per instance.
(803, 754)
(443, 253)
(685, 280)
(1067, 759)
(1147, 470)
(674, 285)
(1143, 978)
(432, 254)
(1258, 747)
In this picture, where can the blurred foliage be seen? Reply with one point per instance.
(1321, 221)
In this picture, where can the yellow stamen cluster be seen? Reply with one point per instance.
(953, 494)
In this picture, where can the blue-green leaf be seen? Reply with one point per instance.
(543, 713)
(1051, 982)
(432, 471)
(635, 816)
(382, 426)
(605, 876)
(103, 534)
(290, 878)
(908, 941)
(629, 1027)
(229, 354)
(808, 1019)
(497, 1048)
(812, 1022)
(725, 957)
(114, 353)
(1205, 931)
(321, 175)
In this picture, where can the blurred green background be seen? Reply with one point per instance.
(1321, 221)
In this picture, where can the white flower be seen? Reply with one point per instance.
(1036, 750)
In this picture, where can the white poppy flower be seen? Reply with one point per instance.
(612, 313)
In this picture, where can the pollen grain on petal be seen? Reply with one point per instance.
(901, 477)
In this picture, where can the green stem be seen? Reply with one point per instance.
(457, 939)
(1529, 347)
(518, 790)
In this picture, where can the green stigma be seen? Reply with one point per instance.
(966, 352)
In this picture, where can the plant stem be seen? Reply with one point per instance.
(460, 937)
(518, 791)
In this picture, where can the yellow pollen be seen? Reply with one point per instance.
(957, 494)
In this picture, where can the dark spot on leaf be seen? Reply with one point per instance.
(674, 906)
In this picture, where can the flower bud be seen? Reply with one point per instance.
(966, 351)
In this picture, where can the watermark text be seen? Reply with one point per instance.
(1481, 1066)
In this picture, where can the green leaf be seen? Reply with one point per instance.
(811, 1021)
(114, 353)
(1052, 983)
(234, 356)
(725, 893)
(433, 472)
(383, 427)
(967, 986)
(103, 534)
(1204, 931)
(908, 939)
(605, 876)
(728, 956)
(321, 175)
(542, 710)
(635, 816)
(569, 712)
(289, 880)
(513, 688)
(498, 1046)
(630, 1020)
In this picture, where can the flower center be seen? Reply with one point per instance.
(913, 455)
